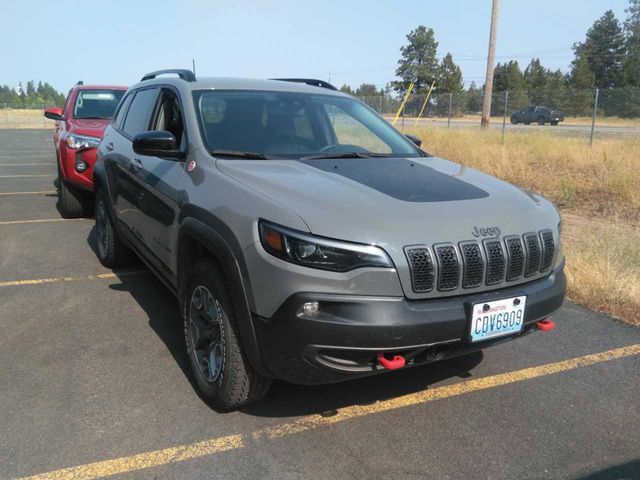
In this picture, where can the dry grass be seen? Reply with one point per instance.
(600, 120)
(597, 189)
(17, 118)
(603, 180)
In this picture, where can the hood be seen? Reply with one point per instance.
(394, 202)
(89, 126)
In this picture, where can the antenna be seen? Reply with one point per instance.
(193, 63)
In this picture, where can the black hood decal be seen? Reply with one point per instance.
(401, 178)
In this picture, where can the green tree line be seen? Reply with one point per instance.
(32, 95)
(608, 58)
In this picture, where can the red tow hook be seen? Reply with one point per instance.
(546, 325)
(396, 363)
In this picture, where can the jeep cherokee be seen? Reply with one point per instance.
(78, 129)
(308, 240)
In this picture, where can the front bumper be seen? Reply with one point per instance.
(342, 339)
(70, 156)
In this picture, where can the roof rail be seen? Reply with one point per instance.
(309, 81)
(184, 74)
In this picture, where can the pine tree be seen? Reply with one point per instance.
(631, 66)
(449, 76)
(535, 75)
(604, 49)
(581, 76)
(419, 62)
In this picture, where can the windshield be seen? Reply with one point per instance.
(96, 103)
(294, 125)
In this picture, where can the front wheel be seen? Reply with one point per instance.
(72, 202)
(221, 370)
(514, 121)
(112, 252)
(554, 123)
(541, 121)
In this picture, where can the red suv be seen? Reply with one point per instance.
(79, 128)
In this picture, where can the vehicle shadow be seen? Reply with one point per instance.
(624, 471)
(284, 399)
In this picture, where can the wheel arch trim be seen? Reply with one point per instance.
(216, 245)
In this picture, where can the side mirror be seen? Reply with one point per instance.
(54, 113)
(159, 143)
(414, 139)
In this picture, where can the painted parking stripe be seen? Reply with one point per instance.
(98, 276)
(42, 220)
(25, 164)
(26, 176)
(215, 446)
(46, 192)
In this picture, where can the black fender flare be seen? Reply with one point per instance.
(216, 244)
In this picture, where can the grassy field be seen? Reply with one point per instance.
(597, 189)
(17, 118)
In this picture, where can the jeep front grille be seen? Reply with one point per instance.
(495, 260)
(534, 254)
(515, 256)
(421, 267)
(448, 267)
(472, 264)
(548, 249)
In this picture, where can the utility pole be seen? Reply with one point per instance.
(488, 83)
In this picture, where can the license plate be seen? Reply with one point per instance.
(497, 318)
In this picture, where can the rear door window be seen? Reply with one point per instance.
(139, 113)
(122, 112)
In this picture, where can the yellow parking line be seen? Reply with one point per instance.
(25, 164)
(218, 445)
(99, 276)
(46, 192)
(41, 220)
(25, 176)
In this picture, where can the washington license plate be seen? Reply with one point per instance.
(497, 318)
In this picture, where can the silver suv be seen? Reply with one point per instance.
(308, 240)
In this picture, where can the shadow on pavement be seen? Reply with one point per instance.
(285, 399)
(624, 471)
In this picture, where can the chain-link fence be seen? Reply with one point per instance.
(592, 112)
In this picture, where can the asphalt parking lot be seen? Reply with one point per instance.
(94, 381)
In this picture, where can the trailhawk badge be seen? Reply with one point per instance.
(486, 232)
(191, 166)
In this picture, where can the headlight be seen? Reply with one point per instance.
(316, 252)
(82, 141)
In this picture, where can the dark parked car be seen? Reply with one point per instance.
(538, 114)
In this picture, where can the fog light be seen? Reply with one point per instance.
(308, 308)
(81, 166)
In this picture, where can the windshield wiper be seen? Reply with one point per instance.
(239, 154)
(328, 155)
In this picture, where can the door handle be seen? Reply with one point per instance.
(110, 146)
(135, 165)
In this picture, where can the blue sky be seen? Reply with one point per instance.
(356, 41)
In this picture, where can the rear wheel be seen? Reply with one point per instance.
(554, 123)
(72, 202)
(112, 252)
(514, 121)
(540, 120)
(221, 370)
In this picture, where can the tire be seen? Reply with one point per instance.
(221, 370)
(514, 121)
(72, 202)
(527, 123)
(541, 121)
(111, 251)
(555, 124)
